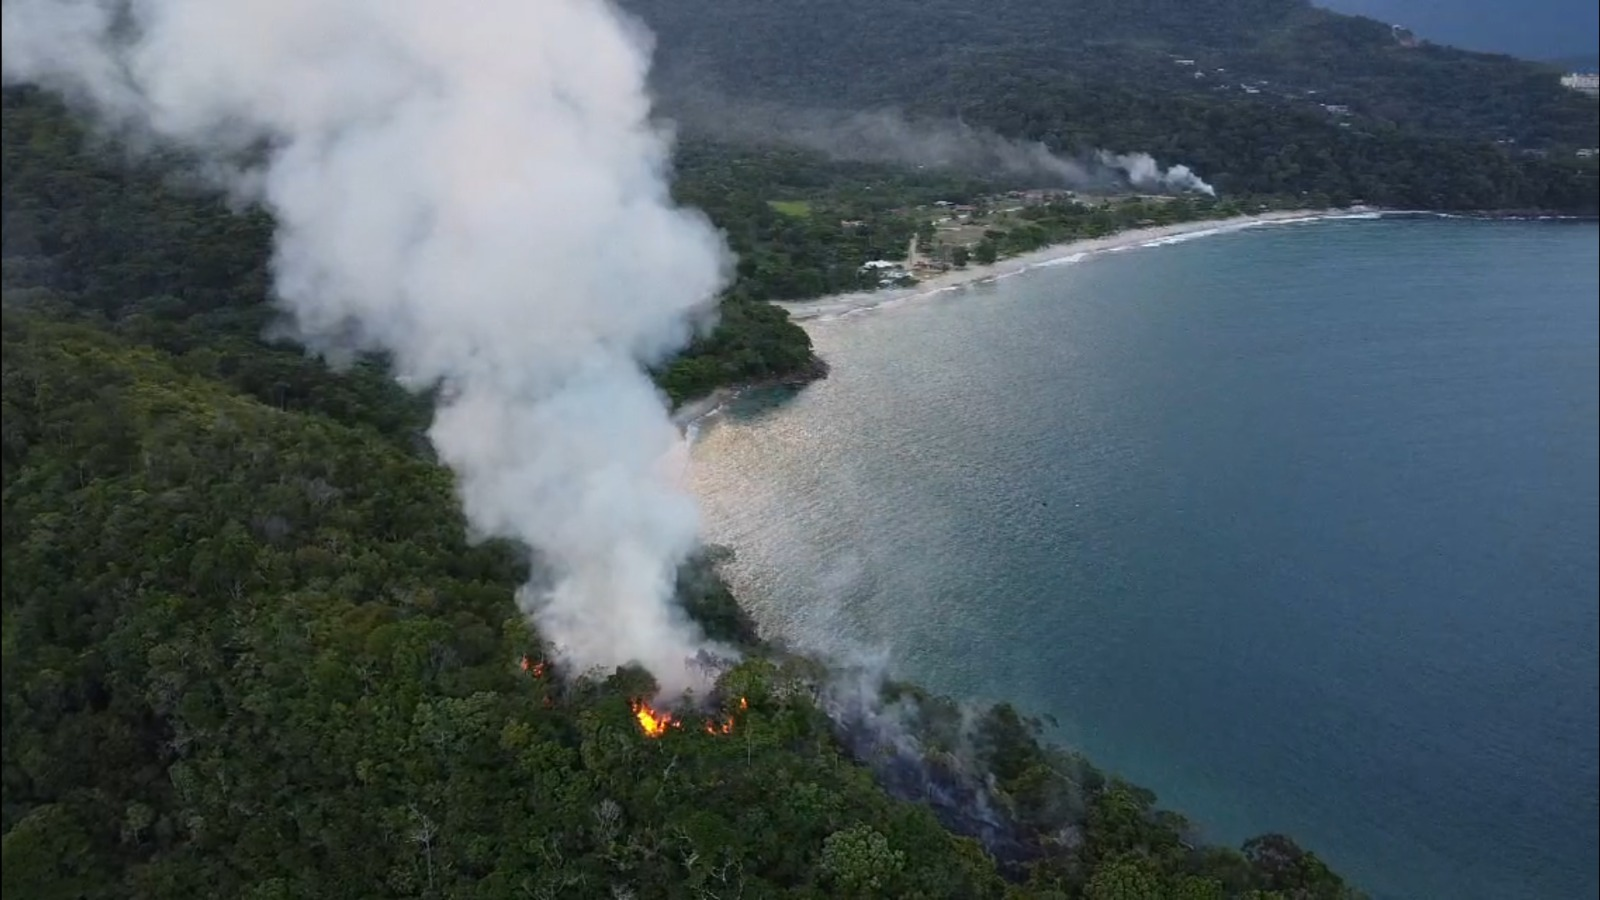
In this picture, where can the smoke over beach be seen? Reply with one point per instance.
(483, 198)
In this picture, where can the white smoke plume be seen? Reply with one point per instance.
(476, 189)
(1144, 172)
(884, 136)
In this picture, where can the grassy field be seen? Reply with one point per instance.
(799, 209)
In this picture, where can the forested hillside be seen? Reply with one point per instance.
(834, 52)
(249, 651)
(130, 241)
(1265, 96)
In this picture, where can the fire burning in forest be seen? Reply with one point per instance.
(654, 723)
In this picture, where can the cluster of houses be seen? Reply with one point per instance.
(960, 225)
(1039, 197)
(1010, 200)
(891, 273)
(888, 271)
(1583, 82)
(956, 210)
(1256, 86)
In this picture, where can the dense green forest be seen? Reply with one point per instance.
(249, 651)
(1289, 98)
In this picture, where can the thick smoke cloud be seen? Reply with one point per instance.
(1143, 171)
(888, 137)
(478, 191)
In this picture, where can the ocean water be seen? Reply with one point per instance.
(1296, 526)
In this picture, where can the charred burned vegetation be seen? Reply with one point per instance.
(1045, 814)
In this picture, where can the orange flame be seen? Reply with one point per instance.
(654, 723)
(537, 669)
(726, 725)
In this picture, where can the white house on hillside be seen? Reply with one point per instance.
(1579, 81)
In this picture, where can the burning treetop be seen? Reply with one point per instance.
(656, 722)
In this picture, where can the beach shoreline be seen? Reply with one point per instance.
(822, 308)
(690, 416)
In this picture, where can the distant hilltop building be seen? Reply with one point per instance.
(1579, 81)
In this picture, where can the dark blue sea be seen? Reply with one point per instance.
(1296, 526)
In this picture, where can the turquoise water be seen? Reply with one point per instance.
(1296, 526)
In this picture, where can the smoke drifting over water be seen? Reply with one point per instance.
(480, 193)
(887, 137)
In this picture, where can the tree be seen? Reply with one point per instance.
(48, 854)
(859, 860)
(1126, 878)
(1285, 866)
(1193, 887)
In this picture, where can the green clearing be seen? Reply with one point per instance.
(799, 209)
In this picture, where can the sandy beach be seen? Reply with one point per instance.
(1055, 254)
(692, 414)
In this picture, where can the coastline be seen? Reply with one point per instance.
(823, 308)
(802, 418)
(690, 415)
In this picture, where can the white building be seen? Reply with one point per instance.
(1579, 81)
(888, 271)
